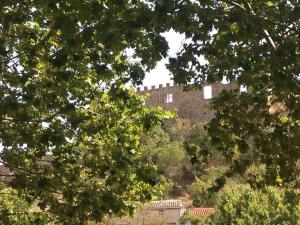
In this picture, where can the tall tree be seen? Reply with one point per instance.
(254, 44)
(69, 130)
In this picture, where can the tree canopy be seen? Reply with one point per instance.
(242, 205)
(69, 129)
(254, 44)
(16, 210)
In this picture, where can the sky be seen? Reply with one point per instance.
(160, 75)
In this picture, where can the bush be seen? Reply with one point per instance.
(193, 219)
(14, 209)
(200, 189)
(241, 205)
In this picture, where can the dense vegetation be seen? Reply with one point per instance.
(254, 44)
(242, 205)
(171, 149)
(63, 70)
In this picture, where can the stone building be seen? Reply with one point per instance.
(163, 212)
(191, 105)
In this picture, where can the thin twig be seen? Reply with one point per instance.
(239, 5)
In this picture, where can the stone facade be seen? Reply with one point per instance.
(191, 105)
(164, 212)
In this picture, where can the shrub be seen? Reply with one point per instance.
(242, 205)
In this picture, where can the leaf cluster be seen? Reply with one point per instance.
(69, 129)
(243, 205)
(254, 44)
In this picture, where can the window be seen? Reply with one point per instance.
(169, 98)
(243, 88)
(207, 92)
(225, 81)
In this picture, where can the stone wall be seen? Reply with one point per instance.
(188, 104)
(150, 217)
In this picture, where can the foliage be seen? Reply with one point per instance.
(193, 219)
(69, 128)
(178, 129)
(198, 144)
(211, 166)
(242, 205)
(168, 155)
(296, 182)
(166, 187)
(63, 66)
(255, 175)
(87, 174)
(255, 44)
(15, 210)
(152, 141)
(171, 158)
(201, 190)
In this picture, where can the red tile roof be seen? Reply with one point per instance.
(164, 204)
(200, 211)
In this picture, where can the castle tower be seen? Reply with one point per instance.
(191, 105)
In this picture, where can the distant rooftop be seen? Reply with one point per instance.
(164, 204)
(198, 212)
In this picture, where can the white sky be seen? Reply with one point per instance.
(160, 75)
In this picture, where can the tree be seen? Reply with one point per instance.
(15, 209)
(255, 175)
(169, 156)
(178, 129)
(152, 141)
(201, 190)
(254, 44)
(198, 144)
(242, 205)
(69, 129)
(170, 159)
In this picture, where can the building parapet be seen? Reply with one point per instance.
(154, 87)
(192, 105)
